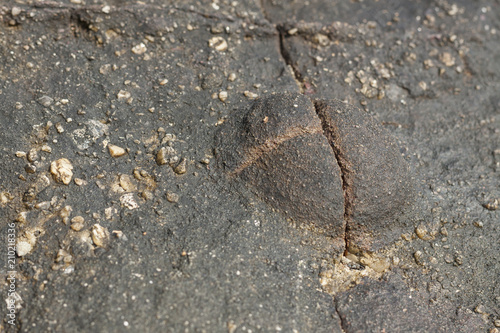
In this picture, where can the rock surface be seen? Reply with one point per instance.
(141, 73)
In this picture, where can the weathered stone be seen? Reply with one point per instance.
(327, 165)
(377, 184)
(116, 151)
(278, 148)
(62, 170)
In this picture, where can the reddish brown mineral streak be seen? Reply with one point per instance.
(254, 153)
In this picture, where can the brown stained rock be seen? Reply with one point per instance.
(302, 179)
(278, 148)
(377, 183)
(328, 165)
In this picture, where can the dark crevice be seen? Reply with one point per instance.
(343, 325)
(287, 58)
(285, 55)
(263, 10)
(329, 132)
(328, 129)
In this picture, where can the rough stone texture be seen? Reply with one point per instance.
(290, 151)
(279, 149)
(220, 259)
(377, 183)
(389, 305)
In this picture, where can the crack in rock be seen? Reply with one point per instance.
(325, 164)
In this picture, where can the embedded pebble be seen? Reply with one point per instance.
(492, 204)
(122, 94)
(172, 197)
(59, 128)
(127, 184)
(61, 169)
(46, 149)
(419, 257)
(422, 232)
(250, 94)
(128, 200)
(447, 59)
(116, 151)
(478, 224)
(15, 11)
(30, 168)
(44, 205)
(23, 248)
(5, 197)
(109, 212)
(164, 155)
(45, 101)
(77, 223)
(32, 155)
(65, 213)
(223, 96)
(100, 235)
(139, 49)
(147, 195)
(218, 43)
(181, 168)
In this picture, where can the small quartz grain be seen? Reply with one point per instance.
(123, 94)
(223, 96)
(79, 181)
(15, 11)
(250, 95)
(116, 151)
(478, 224)
(139, 49)
(218, 43)
(23, 248)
